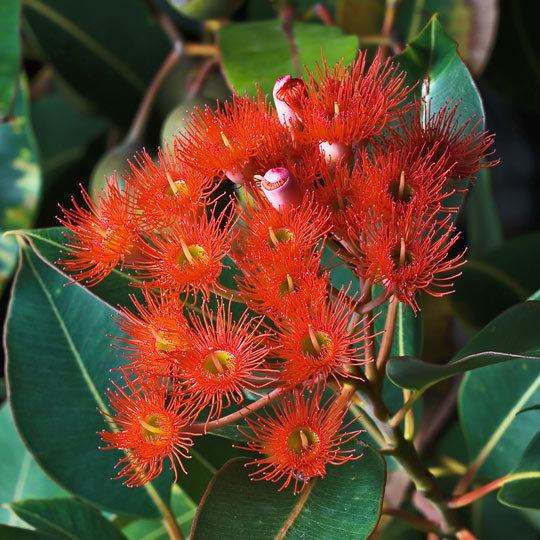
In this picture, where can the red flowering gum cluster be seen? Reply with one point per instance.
(346, 167)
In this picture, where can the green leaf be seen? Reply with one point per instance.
(151, 529)
(491, 397)
(525, 492)
(531, 408)
(259, 53)
(493, 282)
(433, 59)
(20, 179)
(15, 533)
(206, 9)
(119, 44)
(10, 47)
(510, 337)
(415, 374)
(21, 476)
(48, 245)
(346, 503)
(484, 232)
(56, 338)
(66, 519)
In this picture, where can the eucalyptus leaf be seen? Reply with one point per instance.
(21, 476)
(259, 53)
(525, 492)
(59, 422)
(107, 51)
(16, 533)
(510, 337)
(66, 519)
(346, 503)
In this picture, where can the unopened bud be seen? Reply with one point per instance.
(287, 96)
(335, 152)
(242, 175)
(281, 188)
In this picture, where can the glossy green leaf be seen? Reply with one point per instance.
(416, 374)
(48, 245)
(259, 53)
(509, 338)
(10, 47)
(20, 179)
(56, 338)
(432, 58)
(107, 51)
(491, 397)
(206, 9)
(21, 476)
(66, 519)
(152, 529)
(346, 503)
(484, 232)
(16, 533)
(525, 492)
(493, 282)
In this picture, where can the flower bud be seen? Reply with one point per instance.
(287, 93)
(334, 152)
(242, 175)
(281, 188)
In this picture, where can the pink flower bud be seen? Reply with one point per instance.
(281, 188)
(334, 152)
(287, 93)
(242, 175)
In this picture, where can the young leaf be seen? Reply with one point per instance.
(346, 503)
(259, 52)
(510, 337)
(59, 362)
(525, 492)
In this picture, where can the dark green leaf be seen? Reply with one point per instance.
(107, 51)
(56, 337)
(484, 233)
(525, 492)
(206, 9)
(20, 179)
(491, 397)
(259, 53)
(9, 45)
(344, 504)
(21, 476)
(510, 337)
(66, 519)
(493, 282)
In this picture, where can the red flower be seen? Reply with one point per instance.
(408, 255)
(102, 236)
(188, 255)
(224, 141)
(302, 439)
(168, 191)
(283, 281)
(149, 426)
(265, 231)
(159, 333)
(224, 357)
(459, 143)
(317, 341)
(349, 103)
